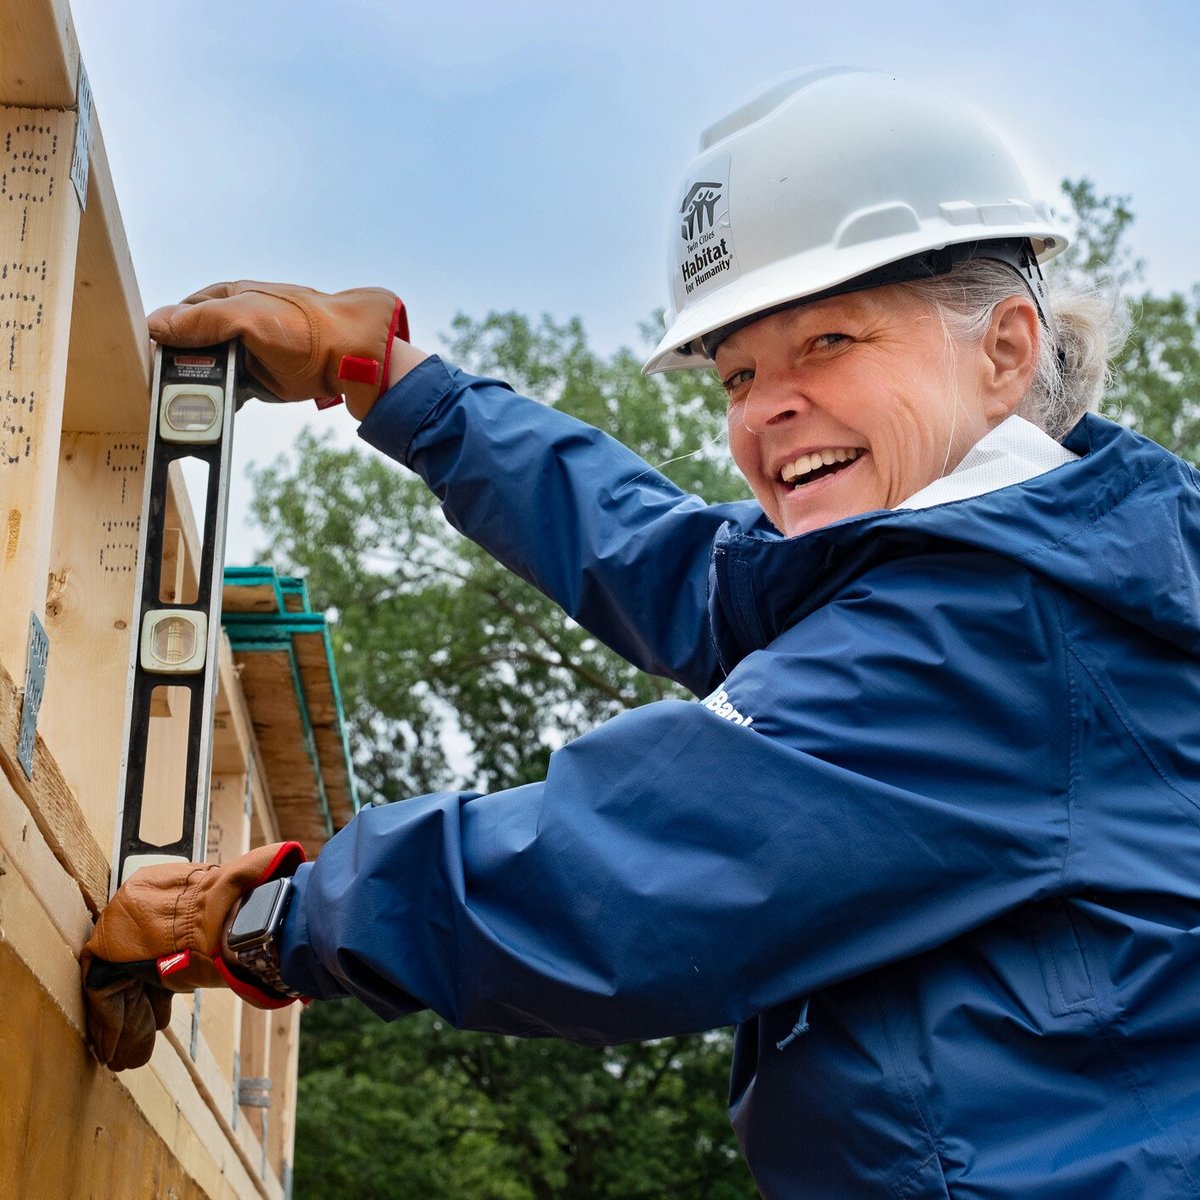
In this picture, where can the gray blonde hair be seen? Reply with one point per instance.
(1088, 328)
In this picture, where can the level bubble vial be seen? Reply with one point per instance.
(173, 642)
(191, 413)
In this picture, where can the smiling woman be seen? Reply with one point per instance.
(873, 376)
(895, 315)
(931, 839)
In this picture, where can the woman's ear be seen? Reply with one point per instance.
(1010, 349)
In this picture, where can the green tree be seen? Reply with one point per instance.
(1098, 250)
(415, 1109)
(1155, 385)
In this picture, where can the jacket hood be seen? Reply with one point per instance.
(1119, 526)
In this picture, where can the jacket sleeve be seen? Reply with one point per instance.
(877, 782)
(615, 544)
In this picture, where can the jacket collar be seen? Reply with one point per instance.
(1088, 525)
(1015, 451)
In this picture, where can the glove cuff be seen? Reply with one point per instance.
(370, 372)
(398, 328)
(254, 975)
(252, 993)
(287, 858)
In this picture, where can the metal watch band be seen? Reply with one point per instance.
(263, 963)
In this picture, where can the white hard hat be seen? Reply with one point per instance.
(834, 181)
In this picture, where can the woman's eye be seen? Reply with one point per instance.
(831, 339)
(732, 382)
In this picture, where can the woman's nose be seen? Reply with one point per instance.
(772, 402)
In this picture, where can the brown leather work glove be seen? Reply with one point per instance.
(162, 933)
(300, 343)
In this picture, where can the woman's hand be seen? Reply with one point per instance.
(300, 343)
(163, 933)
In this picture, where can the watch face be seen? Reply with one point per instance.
(259, 916)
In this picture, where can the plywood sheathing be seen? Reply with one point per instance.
(269, 681)
(316, 673)
(251, 590)
(253, 598)
(285, 662)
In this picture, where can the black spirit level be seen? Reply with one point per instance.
(194, 396)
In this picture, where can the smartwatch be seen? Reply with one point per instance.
(251, 940)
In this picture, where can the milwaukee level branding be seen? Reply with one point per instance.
(195, 366)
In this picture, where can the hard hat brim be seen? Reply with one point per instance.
(780, 284)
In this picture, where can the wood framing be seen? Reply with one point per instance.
(39, 226)
(74, 411)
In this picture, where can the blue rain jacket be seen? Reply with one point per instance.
(931, 837)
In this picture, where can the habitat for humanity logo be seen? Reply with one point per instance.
(706, 252)
(698, 207)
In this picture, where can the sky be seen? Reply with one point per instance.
(476, 156)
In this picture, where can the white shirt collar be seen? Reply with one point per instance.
(1015, 451)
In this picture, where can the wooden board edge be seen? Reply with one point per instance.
(51, 802)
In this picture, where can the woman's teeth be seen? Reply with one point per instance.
(807, 463)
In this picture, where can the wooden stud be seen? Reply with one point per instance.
(228, 823)
(28, 930)
(179, 517)
(109, 360)
(39, 227)
(285, 1066)
(228, 837)
(89, 607)
(166, 767)
(253, 1061)
(220, 1029)
(41, 54)
(171, 578)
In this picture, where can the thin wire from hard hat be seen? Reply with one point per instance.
(1014, 252)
